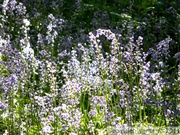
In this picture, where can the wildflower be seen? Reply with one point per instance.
(28, 52)
(6, 132)
(72, 134)
(109, 115)
(177, 56)
(2, 106)
(92, 113)
(99, 100)
(5, 6)
(51, 118)
(163, 47)
(47, 129)
(63, 54)
(65, 116)
(155, 76)
(139, 40)
(26, 22)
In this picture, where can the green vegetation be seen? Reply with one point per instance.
(89, 67)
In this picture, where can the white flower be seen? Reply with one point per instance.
(28, 52)
(155, 76)
(6, 132)
(26, 22)
(72, 134)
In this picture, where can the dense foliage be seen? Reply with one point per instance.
(89, 66)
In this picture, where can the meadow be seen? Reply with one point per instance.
(82, 67)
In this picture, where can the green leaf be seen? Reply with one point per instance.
(4, 71)
(149, 9)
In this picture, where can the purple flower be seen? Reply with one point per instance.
(155, 76)
(51, 118)
(13, 79)
(139, 40)
(63, 54)
(161, 50)
(92, 113)
(47, 129)
(177, 56)
(2, 106)
(99, 100)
